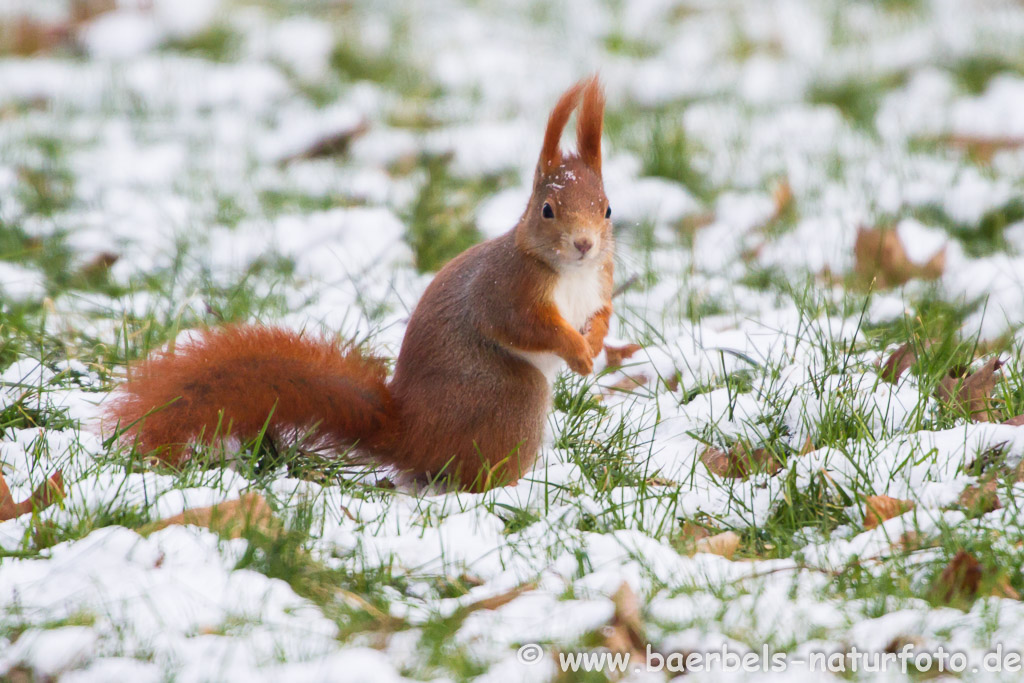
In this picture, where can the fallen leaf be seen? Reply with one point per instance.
(959, 581)
(99, 265)
(616, 354)
(471, 580)
(495, 601)
(782, 196)
(694, 531)
(334, 144)
(625, 633)
(909, 541)
(991, 459)
(880, 508)
(629, 383)
(724, 544)
(691, 223)
(902, 641)
(1003, 589)
(45, 495)
(718, 462)
(739, 462)
(689, 535)
(972, 394)
(982, 148)
(901, 360)
(879, 256)
(1015, 421)
(979, 500)
(230, 519)
(84, 10)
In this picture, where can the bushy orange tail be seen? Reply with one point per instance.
(234, 381)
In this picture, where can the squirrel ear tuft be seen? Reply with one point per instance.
(550, 153)
(589, 124)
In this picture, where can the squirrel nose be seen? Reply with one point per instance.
(583, 245)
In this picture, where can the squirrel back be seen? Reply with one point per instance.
(472, 382)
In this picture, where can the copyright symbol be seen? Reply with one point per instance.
(530, 653)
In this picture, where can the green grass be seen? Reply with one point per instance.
(605, 443)
(973, 72)
(440, 222)
(669, 154)
(978, 239)
(216, 44)
(858, 99)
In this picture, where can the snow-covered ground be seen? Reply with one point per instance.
(166, 165)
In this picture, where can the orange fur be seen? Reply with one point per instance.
(550, 151)
(591, 121)
(466, 401)
(229, 381)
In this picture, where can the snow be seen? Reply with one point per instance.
(120, 34)
(18, 283)
(192, 173)
(304, 45)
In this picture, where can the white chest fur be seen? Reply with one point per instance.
(578, 295)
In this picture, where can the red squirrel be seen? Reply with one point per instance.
(472, 384)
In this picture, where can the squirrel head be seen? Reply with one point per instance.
(567, 222)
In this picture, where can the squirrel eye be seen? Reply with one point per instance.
(547, 211)
(608, 212)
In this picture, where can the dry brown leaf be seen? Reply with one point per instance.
(880, 256)
(718, 462)
(616, 354)
(740, 462)
(693, 222)
(973, 393)
(25, 36)
(909, 541)
(335, 144)
(1003, 589)
(627, 610)
(45, 495)
(471, 580)
(1015, 421)
(1018, 473)
(724, 544)
(877, 509)
(782, 195)
(495, 601)
(808, 446)
(783, 199)
(629, 383)
(625, 633)
(692, 531)
(959, 581)
(99, 266)
(84, 10)
(979, 500)
(230, 519)
(901, 641)
(899, 362)
(689, 535)
(982, 148)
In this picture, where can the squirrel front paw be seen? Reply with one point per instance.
(582, 363)
(595, 336)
